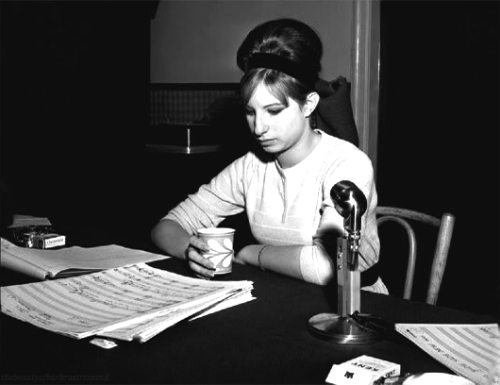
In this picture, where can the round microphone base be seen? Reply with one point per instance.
(342, 330)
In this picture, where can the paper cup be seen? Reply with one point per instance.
(220, 240)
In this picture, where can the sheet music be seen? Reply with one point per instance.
(469, 350)
(113, 300)
(43, 264)
(145, 330)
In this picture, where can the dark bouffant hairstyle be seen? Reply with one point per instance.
(287, 38)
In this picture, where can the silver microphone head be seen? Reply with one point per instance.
(350, 203)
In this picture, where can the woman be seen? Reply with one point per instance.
(284, 185)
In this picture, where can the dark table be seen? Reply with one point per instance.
(264, 341)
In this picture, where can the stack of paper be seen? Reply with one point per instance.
(43, 264)
(129, 303)
(471, 351)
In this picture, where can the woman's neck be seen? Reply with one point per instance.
(300, 151)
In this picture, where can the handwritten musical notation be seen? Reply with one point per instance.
(469, 350)
(129, 303)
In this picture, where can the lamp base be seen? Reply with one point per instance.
(342, 330)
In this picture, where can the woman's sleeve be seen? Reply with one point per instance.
(223, 196)
(318, 260)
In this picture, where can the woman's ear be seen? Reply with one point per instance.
(312, 101)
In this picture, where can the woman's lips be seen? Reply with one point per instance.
(265, 142)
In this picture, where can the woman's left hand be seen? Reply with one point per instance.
(241, 256)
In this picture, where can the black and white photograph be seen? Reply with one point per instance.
(250, 192)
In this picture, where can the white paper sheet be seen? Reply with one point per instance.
(43, 264)
(469, 350)
(126, 301)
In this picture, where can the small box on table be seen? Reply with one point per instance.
(35, 232)
(363, 370)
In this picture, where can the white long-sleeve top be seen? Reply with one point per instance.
(290, 206)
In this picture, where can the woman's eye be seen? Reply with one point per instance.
(275, 112)
(249, 113)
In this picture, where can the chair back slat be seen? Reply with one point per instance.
(440, 257)
(412, 251)
(409, 214)
(445, 227)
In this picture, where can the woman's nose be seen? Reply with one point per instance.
(260, 126)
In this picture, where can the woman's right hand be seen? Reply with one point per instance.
(202, 267)
(170, 237)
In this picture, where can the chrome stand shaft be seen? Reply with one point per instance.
(346, 327)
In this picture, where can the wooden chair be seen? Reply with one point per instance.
(445, 226)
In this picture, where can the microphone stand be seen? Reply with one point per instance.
(348, 326)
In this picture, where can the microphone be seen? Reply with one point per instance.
(350, 203)
(348, 326)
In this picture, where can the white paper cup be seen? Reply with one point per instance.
(220, 240)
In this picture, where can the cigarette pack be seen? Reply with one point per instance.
(48, 241)
(38, 237)
(363, 370)
(36, 233)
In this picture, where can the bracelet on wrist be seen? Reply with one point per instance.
(260, 256)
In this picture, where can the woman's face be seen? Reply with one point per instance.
(276, 127)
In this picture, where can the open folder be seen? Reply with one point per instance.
(49, 264)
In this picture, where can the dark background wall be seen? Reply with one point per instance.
(75, 110)
(439, 133)
(74, 104)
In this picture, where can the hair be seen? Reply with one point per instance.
(288, 38)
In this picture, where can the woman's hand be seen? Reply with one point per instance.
(244, 255)
(201, 266)
(170, 237)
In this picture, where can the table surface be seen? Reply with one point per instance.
(266, 340)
